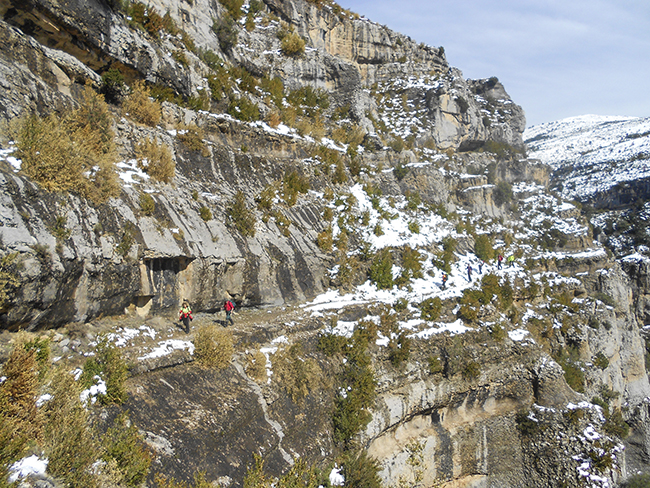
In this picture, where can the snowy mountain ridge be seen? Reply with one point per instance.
(582, 150)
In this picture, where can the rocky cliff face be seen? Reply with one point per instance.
(61, 46)
(390, 169)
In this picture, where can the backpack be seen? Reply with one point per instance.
(229, 306)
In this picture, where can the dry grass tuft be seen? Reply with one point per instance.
(256, 367)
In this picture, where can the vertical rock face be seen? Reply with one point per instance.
(54, 47)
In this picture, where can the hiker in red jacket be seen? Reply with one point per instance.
(229, 307)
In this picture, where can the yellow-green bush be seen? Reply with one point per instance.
(240, 216)
(298, 375)
(123, 445)
(71, 153)
(294, 183)
(233, 7)
(147, 204)
(48, 154)
(431, 308)
(213, 346)
(243, 109)
(325, 240)
(351, 412)
(18, 409)
(108, 364)
(69, 443)
(156, 160)
(483, 247)
(292, 45)
(381, 270)
(205, 213)
(140, 107)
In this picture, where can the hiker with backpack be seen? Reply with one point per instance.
(444, 281)
(499, 260)
(185, 315)
(228, 306)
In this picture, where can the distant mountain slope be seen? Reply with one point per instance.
(592, 155)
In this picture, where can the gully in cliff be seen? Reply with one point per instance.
(185, 315)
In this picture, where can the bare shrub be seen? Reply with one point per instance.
(256, 367)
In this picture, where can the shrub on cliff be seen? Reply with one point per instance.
(213, 346)
(9, 279)
(233, 7)
(123, 446)
(155, 160)
(381, 270)
(357, 391)
(226, 31)
(360, 470)
(70, 153)
(147, 204)
(192, 138)
(139, 107)
(240, 216)
(292, 45)
(243, 109)
(108, 364)
(298, 375)
(294, 183)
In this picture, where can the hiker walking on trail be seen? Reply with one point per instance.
(499, 261)
(185, 315)
(511, 260)
(444, 281)
(480, 267)
(469, 272)
(228, 306)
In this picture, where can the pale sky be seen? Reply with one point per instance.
(556, 58)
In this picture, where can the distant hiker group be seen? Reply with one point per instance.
(185, 314)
